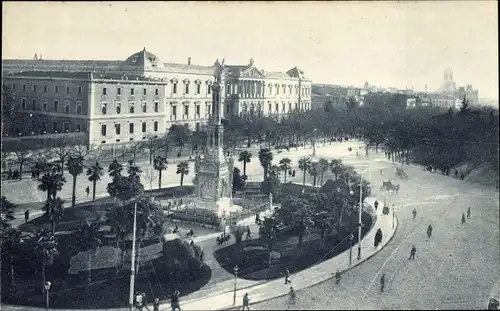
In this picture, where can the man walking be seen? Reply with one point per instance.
(87, 190)
(287, 276)
(291, 296)
(174, 301)
(414, 213)
(246, 300)
(463, 218)
(248, 232)
(429, 231)
(156, 304)
(382, 283)
(468, 213)
(412, 252)
(26, 216)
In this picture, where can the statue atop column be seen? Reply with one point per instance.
(218, 69)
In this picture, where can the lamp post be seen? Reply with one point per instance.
(360, 210)
(313, 142)
(236, 269)
(46, 286)
(351, 238)
(132, 266)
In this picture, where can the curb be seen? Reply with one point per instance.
(323, 281)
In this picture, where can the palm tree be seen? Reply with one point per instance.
(265, 158)
(54, 210)
(75, 168)
(183, 169)
(160, 164)
(304, 165)
(7, 211)
(323, 167)
(115, 169)
(52, 183)
(94, 172)
(314, 171)
(45, 246)
(89, 241)
(285, 165)
(118, 219)
(274, 172)
(336, 167)
(245, 157)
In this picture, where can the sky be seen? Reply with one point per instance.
(389, 44)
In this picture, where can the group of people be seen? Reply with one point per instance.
(141, 303)
(13, 174)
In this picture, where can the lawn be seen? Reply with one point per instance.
(252, 256)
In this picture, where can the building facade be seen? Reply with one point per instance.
(115, 102)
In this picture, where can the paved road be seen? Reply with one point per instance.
(456, 269)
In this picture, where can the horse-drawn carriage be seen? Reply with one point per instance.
(388, 186)
(401, 173)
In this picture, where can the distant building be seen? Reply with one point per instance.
(450, 88)
(116, 102)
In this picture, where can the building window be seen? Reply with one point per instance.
(56, 106)
(45, 89)
(144, 127)
(277, 107)
(34, 88)
(131, 108)
(24, 87)
(104, 91)
(187, 88)
(227, 109)
(289, 107)
(131, 91)
(23, 103)
(174, 111)
(119, 91)
(270, 108)
(78, 107)
(156, 107)
(66, 127)
(66, 107)
(44, 107)
(56, 89)
(174, 88)
(157, 92)
(78, 127)
(117, 129)
(209, 89)
(103, 130)
(33, 104)
(67, 90)
(144, 107)
(197, 126)
(104, 108)
(198, 88)
(131, 128)
(13, 86)
(79, 90)
(55, 127)
(144, 91)
(283, 106)
(118, 108)
(197, 110)
(155, 126)
(277, 89)
(186, 110)
(284, 89)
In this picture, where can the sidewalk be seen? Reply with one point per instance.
(303, 279)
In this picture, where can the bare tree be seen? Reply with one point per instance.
(151, 175)
(82, 149)
(134, 148)
(152, 144)
(23, 157)
(61, 150)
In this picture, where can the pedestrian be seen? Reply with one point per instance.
(287, 276)
(156, 304)
(9, 174)
(191, 232)
(412, 252)
(462, 176)
(414, 213)
(376, 239)
(379, 231)
(246, 300)
(37, 173)
(87, 190)
(26, 216)
(429, 231)
(456, 173)
(174, 301)
(375, 204)
(463, 218)
(139, 301)
(248, 232)
(382, 283)
(257, 218)
(291, 296)
(468, 213)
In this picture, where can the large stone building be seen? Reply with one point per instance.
(112, 102)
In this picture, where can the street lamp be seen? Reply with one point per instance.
(236, 269)
(313, 142)
(351, 238)
(46, 286)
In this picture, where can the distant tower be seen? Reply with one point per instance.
(40, 56)
(35, 57)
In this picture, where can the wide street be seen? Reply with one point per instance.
(456, 269)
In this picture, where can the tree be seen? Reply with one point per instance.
(7, 211)
(304, 165)
(118, 219)
(285, 166)
(61, 150)
(53, 208)
(336, 168)
(75, 168)
(94, 173)
(160, 164)
(315, 171)
(180, 134)
(323, 215)
(296, 213)
(9, 109)
(115, 171)
(238, 232)
(245, 157)
(268, 233)
(134, 148)
(183, 169)
(323, 168)
(352, 104)
(88, 240)
(274, 171)
(51, 183)
(151, 176)
(45, 245)
(265, 158)
(23, 157)
(152, 144)
(271, 185)
(238, 180)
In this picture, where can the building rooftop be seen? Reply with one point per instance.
(52, 74)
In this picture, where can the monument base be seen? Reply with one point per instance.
(221, 208)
